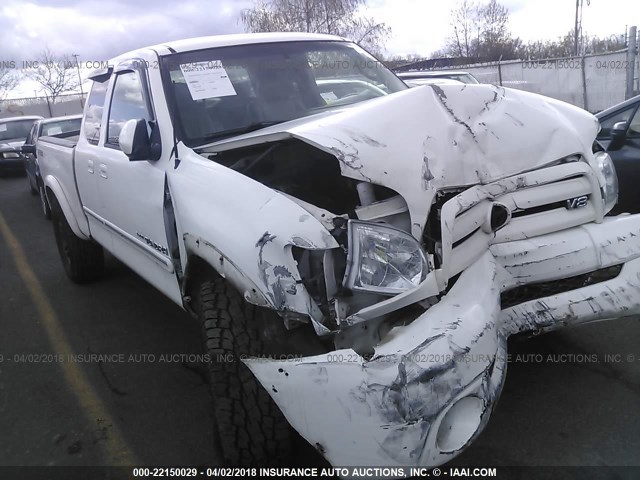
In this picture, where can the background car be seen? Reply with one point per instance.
(61, 127)
(620, 136)
(432, 81)
(458, 75)
(13, 132)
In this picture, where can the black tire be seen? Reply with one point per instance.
(44, 203)
(83, 260)
(251, 429)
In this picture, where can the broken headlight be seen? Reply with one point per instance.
(383, 259)
(608, 180)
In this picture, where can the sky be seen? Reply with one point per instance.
(101, 29)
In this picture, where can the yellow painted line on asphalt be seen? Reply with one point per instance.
(116, 448)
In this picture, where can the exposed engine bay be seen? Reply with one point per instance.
(313, 179)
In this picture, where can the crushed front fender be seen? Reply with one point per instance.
(430, 387)
(402, 406)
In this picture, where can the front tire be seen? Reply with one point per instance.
(83, 260)
(251, 428)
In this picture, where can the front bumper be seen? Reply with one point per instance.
(430, 387)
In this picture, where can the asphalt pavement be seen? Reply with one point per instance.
(109, 373)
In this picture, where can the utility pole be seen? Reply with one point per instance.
(631, 62)
(576, 29)
(75, 55)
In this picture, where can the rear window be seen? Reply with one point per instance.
(61, 127)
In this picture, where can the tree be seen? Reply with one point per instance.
(481, 31)
(56, 74)
(8, 81)
(463, 21)
(495, 41)
(565, 46)
(336, 17)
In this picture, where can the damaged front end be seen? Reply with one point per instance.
(424, 235)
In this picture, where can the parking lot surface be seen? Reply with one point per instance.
(109, 373)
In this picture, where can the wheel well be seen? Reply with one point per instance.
(196, 271)
(51, 197)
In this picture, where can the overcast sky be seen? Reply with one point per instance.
(100, 29)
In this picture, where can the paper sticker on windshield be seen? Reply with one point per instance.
(207, 80)
(3, 127)
(328, 96)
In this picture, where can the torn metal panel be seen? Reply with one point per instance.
(428, 389)
(214, 233)
(395, 402)
(614, 298)
(323, 216)
(423, 129)
(225, 267)
(568, 253)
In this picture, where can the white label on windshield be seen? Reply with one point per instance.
(328, 96)
(3, 127)
(207, 80)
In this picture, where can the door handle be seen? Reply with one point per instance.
(90, 166)
(102, 169)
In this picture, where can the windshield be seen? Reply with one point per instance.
(61, 127)
(15, 130)
(228, 91)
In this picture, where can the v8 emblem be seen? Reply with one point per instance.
(577, 202)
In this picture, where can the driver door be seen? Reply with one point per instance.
(133, 191)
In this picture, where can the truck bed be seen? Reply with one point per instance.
(56, 158)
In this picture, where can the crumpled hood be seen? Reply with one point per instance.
(439, 136)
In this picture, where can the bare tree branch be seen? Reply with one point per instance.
(56, 74)
(336, 17)
(8, 81)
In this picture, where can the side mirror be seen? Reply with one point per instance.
(618, 135)
(134, 140)
(28, 148)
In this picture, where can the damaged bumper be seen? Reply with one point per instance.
(429, 389)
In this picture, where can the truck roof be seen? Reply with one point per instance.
(200, 43)
(59, 119)
(17, 119)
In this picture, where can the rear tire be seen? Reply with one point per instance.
(83, 260)
(251, 429)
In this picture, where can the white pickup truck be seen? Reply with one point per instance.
(357, 252)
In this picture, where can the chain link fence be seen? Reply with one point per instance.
(64, 105)
(592, 82)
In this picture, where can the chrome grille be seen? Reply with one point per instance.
(537, 202)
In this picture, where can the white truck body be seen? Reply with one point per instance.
(506, 182)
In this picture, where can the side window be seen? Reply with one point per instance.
(634, 126)
(93, 111)
(608, 124)
(127, 103)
